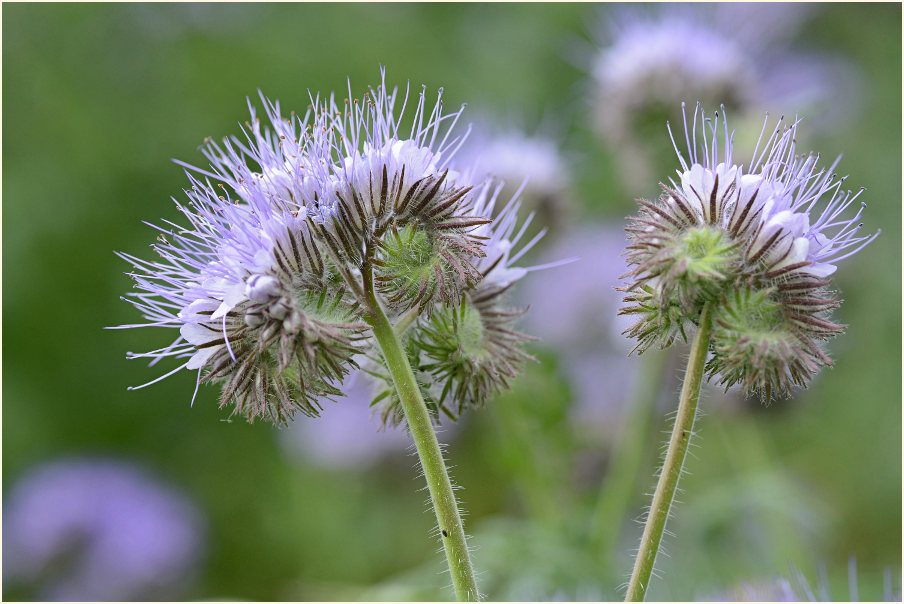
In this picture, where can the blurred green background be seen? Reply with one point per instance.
(96, 100)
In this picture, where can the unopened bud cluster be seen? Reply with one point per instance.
(300, 234)
(757, 245)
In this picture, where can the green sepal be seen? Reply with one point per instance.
(694, 265)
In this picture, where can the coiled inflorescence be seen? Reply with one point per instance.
(299, 233)
(757, 245)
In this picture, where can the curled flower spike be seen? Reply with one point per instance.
(759, 243)
(296, 220)
(465, 354)
(335, 236)
(472, 351)
(254, 301)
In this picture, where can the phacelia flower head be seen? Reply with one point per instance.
(300, 230)
(650, 58)
(757, 243)
(531, 162)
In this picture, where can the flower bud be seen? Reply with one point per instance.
(262, 288)
(416, 267)
(757, 344)
(692, 265)
(658, 324)
(471, 349)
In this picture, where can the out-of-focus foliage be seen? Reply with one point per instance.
(98, 97)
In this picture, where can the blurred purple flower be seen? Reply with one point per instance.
(99, 529)
(531, 162)
(348, 434)
(574, 310)
(651, 58)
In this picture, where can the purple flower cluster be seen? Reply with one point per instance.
(347, 437)
(577, 317)
(650, 58)
(292, 229)
(531, 164)
(757, 244)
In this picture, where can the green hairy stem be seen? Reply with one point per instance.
(431, 458)
(674, 462)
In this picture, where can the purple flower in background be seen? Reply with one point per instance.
(348, 435)
(99, 529)
(651, 58)
(530, 163)
(574, 310)
(568, 300)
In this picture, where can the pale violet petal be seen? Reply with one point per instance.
(198, 334)
(221, 310)
(200, 358)
(195, 308)
(821, 269)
